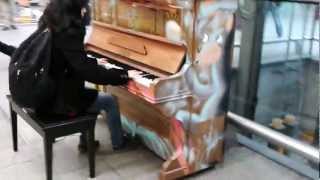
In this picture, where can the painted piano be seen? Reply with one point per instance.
(183, 49)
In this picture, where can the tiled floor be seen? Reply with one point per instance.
(135, 164)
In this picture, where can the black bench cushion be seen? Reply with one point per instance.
(53, 120)
(46, 121)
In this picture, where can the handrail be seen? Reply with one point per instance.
(298, 1)
(299, 147)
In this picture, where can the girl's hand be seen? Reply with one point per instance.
(134, 74)
(102, 61)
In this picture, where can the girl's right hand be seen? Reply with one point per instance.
(134, 74)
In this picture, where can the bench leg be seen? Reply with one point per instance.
(14, 127)
(48, 156)
(91, 152)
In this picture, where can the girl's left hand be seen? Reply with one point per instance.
(102, 61)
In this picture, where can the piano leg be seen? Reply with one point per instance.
(172, 169)
(199, 156)
(176, 166)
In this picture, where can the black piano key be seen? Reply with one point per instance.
(150, 76)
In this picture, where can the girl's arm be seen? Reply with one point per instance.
(7, 49)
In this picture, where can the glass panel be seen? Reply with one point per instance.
(286, 95)
(277, 28)
(237, 35)
(298, 21)
(309, 25)
(296, 50)
(269, 54)
(315, 46)
(237, 43)
(317, 25)
(287, 85)
(236, 54)
(306, 48)
(315, 50)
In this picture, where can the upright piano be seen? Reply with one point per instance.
(183, 48)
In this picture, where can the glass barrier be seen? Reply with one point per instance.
(276, 69)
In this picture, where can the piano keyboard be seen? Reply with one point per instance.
(143, 78)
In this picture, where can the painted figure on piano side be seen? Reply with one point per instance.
(207, 78)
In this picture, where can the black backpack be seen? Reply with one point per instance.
(30, 83)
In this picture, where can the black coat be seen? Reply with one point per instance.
(71, 68)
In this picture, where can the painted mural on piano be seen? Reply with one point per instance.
(137, 15)
(206, 28)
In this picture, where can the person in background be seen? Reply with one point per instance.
(71, 67)
(7, 9)
(274, 8)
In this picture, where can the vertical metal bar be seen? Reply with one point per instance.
(312, 34)
(305, 18)
(290, 30)
(247, 80)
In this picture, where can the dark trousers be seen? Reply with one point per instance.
(106, 102)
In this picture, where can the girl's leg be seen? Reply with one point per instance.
(109, 104)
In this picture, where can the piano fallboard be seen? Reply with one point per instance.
(143, 52)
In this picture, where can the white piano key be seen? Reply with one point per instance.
(143, 81)
(111, 66)
(91, 56)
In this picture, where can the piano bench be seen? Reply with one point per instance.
(53, 127)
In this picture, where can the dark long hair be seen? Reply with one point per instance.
(61, 15)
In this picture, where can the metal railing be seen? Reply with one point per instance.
(294, 145)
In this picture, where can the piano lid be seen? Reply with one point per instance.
(138, 48)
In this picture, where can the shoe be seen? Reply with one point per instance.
(83, 148)
(13, 27)
(121, 147)
(127, 141)
(6, 28)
